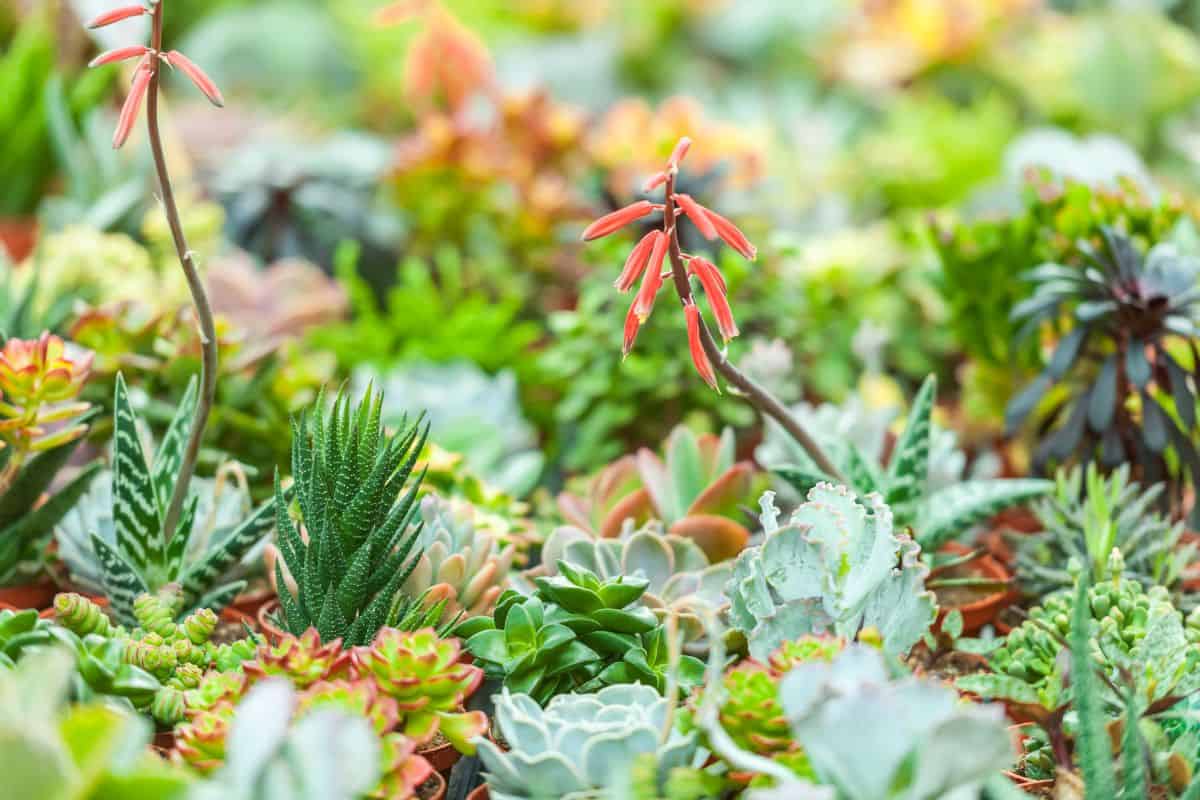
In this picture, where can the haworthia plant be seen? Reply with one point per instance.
(935, 516)
(139, 559)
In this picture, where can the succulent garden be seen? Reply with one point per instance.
(600, 399)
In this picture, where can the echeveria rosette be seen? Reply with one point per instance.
(837, 567)
(303, 660)
(423, 674)
(1125, 359)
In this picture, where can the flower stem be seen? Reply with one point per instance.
(204, 316)
(756, 395)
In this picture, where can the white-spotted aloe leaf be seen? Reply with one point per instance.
(948, 513)
(908, 467)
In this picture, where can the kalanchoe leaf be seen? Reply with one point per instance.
(1102, 404)
(1137, 368)
(1185, 403)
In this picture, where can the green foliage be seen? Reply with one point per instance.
(582, 743)
(1131, 316)
(575, 633)
(838, 566)
(356, 504)
(935, 516)
(135, 558)
(1086, 518)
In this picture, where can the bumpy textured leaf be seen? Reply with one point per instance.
(950, 512)
(909, 465)
(135, 512)
(169, 456)
(1092, 742)
(223, 554)
(122, 583)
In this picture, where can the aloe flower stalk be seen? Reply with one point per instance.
(145, 86)
(647, 261)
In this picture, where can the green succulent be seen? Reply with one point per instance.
(837, 566)
(575, 633)
(581, 745)
(1090, 514)
(356, 504)
(935, 515)
(132, 557)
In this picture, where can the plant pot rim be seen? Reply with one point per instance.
(269, 629)
(980, 612)
(441, 757)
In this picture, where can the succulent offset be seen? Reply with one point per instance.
(580, 745)
(837, 566)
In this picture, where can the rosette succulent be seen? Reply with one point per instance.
(575, 633)
(935, 514)
(581, 745)
(459, 563)
(837, 566)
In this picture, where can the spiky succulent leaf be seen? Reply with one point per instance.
(947, 513)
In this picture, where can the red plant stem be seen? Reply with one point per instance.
(204, 316)
(755, 394)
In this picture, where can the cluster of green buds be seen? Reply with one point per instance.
(576, 632)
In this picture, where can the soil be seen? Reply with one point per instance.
(946, 667)
(429, 788)
(959, 596)
(228, 631)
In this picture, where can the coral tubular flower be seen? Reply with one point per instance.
(732, 236)
(698, 214)
(118, 14)
(652, 280)
(133, 103)
(654, 181)
(632, 324)
(636, 263)
(618, 219)
(120, 54)
(699, 357)
(677, 155)
(197, 76)
(715, 290)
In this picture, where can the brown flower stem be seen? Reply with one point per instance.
(756, 395)
(204, 316)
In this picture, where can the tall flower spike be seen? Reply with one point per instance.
(698, 214)
(133, 103)
(118, 14)
(636, 263)
(618, 219)
(197, 76)
(652, 280)
(699, 357)
(715, 290)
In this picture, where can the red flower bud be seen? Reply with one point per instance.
(120, 54)
(654, 181)
(681, 148)
(732, 236)
(617, 220)
(133, 103)
(698, 214)
(118, 14)
(652, 281)
(699, 357)
(202, 81)
(637, 261)
(632, 324)
(715, 290)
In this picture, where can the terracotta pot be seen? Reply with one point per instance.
(18, 236)
(480, 792)
(252, 602)
(272, 631)
(164, 742)
(236, 616)
(441, 757)
(439, 790)
(1028, 783)
(38, 595)
(984, 611)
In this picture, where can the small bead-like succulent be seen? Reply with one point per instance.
(424, 675)
(837, 566)
(581, 745)
(575, 633)
(459, 563)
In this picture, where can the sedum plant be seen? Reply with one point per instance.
(581, 745)
(356, 505)
(575, 633)
(1090, 514)
(41, 425)
(1120, 368)
(836, 566)
(696, 491)
(936, 515)
(139, 558)
(459, 563)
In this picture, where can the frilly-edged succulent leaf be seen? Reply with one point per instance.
(837, 565)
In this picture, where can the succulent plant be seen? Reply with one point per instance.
(424, 674)
(837, 566)
(41, 424)
(1090, 514)
(20, 630)
(575, 633)
(1131, 315)
(137, 559)
(871, 736)
(696, 492)
(580, 745)
(52, 750)
(465, 566)
(356, 503)
(936, 515)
